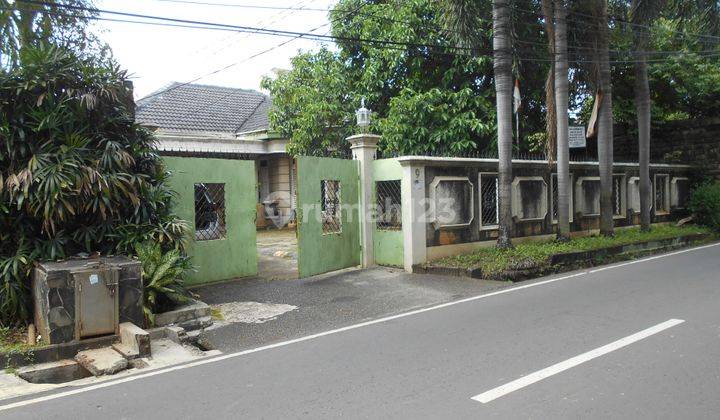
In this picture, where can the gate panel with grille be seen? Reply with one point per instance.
(328, 215)
(217, 198)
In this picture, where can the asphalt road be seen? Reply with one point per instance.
(638, 340)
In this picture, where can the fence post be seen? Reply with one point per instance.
(364, 149)
(413, 214)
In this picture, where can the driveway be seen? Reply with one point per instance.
(274, 310)
(277, 254)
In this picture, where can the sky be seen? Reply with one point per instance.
(156, 56)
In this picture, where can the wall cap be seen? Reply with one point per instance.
(450, 161)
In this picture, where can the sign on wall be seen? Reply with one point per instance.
(576, 136)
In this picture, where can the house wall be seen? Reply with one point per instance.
(387, 244)
(235, 255)
(279, 182)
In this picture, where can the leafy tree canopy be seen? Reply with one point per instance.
(426, 96)
(442, 98)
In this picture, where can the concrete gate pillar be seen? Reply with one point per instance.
(414, 213)
(364, 149)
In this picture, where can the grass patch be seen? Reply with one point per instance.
(13, 343)
(13, 340)
(494, 261)
(216, 314)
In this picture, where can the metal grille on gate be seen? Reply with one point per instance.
(330, 206)
(389, 205)
(209, 211)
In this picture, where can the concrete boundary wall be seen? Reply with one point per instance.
(426, 237)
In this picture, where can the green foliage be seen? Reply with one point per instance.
(163, 276)
(25, 25)
(311, 103)
(705, 205)
(76, 173)
(529, 255)
(422, 97)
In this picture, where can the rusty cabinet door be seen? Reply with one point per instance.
(96, 301)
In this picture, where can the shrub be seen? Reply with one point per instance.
(705, 205)
(163, 276)
(77, 174)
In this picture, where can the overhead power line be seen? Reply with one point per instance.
(255, 55)
(246, 6)
(195, 24)
(387, 44)
(241, 28)
(616, 20)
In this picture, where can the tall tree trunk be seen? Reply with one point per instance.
(561, 103)
(503, 93)
(550, 117)
(642, 105)
(605, 124)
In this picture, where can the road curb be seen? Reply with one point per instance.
(567, 261)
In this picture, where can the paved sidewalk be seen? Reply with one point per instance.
(274, 311)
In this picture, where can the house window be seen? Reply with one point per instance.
(389, 207)
(662, 198)
(555, 197)
(488, 200)
(330, 206)
(209, 211)
(618, 195)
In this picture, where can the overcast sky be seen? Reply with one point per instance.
(156, 56)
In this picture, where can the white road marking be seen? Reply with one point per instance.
(610, 267)
(530, 379)
(314, 336)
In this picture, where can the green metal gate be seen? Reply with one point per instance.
(328, 215)
(217, 198)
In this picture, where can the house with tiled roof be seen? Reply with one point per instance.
(214, 121)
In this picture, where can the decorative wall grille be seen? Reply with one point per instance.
(555, 196)
(617, 194)
(489, 199)
(661, 193)
(209, 212)
(389, 205)
(330, 206)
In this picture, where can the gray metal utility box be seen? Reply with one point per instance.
(85, 298)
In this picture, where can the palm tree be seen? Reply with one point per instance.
(642, 14)
(463, 17)
(561, 103)
(550, 109)
(605, 117)
(502, 65)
